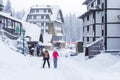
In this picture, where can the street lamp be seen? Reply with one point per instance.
(23, 34)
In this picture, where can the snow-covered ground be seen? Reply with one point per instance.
(15, 66)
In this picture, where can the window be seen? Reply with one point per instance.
(92, 4)
(83, 29)
(44, 10)
(98, 2)
(49, 10)
(102, 19)
(47, 24)
(47, 17)
(37, 10)
(32, 11)
(102, 5)
(46, 30)
(34, 17)
(87, 28)
(42, 16)
(102, 32)
(17, 27)
(88, 18)
(93, 38)
(88, 39)
(42, 24)
(29, 17)
(94, 16)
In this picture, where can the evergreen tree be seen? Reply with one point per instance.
(20, 14)
(1, 5)
(8, 7)
(72, 28)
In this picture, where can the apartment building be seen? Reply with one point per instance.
(50, 20)
(102, 19)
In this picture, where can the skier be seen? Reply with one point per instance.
(55, 58)
(46, 58)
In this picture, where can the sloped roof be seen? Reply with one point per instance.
(54, 8)
(86, 2)
(32, 31)
(56, 11)
(8, 16)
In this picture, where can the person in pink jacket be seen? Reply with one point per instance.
(55, 58)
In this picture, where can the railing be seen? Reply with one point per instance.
(11, 36)
(94, 48)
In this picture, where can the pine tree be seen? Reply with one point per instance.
(8, 7)
(72, 28)
(20, 14)
(1, 5)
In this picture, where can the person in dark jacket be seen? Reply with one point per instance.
(55, 58)
(46, 57)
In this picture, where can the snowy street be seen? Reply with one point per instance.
(15, 66)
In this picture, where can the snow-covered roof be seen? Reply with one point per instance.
(54, 8)
(32, 30)
(8, 16)
(41, 6)
(95, 42)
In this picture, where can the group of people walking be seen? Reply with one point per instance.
(46, 58)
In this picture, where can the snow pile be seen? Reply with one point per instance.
(102, 62)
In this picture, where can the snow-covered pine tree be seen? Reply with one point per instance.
(72, 28)
(8, 7)
(1, 5)
(20, 14)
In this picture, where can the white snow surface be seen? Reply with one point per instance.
(15, 66)
(32, 30)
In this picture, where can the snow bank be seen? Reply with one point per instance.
(104, 61)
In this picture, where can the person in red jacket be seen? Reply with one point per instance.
(55, 58)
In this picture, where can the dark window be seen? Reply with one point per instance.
(98, 2)
(83, 29)
(46, 30)
(92, 4)
(102, 32)
(102, 5)
(87, 28)
(47, 24)
(94, 39)
(88, 18)
(83, 38)
(44, 10)
(49, 10)
(47, 17)
(87, 38)
(42, 24)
